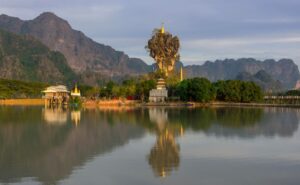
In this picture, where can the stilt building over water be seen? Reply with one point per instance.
(56, 95)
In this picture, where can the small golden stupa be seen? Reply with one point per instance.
(75, 92)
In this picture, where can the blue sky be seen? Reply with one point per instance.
(208, 29)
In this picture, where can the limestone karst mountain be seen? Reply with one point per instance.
(86, 57)
(285, 70)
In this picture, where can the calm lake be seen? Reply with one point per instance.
(146, 146)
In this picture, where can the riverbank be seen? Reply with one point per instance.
(233, 104)
(136, 103)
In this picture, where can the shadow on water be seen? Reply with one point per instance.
(48, 144)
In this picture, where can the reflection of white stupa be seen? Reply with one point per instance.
(55, 116)
(159, 116)
(75, 117)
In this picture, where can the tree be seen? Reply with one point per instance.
(250, 92)
(143, 88)
(129, 87)
(163, 48)
(89, 91)
(233, 91)
(201, 90)
(292, 93)
(107, 91)
(237, 91)
(196, 89)
(182, 90)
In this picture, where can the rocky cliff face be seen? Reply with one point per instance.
(25, 58)
(82, 53)
(285, 70)
(263, 79)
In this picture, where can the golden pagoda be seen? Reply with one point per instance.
(75, 92)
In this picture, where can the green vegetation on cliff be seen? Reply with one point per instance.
(25, 58)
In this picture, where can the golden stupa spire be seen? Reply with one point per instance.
(75, 91)
(181, 74)
(162, 30)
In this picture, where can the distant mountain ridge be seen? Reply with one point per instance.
(85, 56)
(284, 70)
(92, 62)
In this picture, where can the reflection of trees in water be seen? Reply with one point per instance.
(164, 155)
(167, 123)
(49, 152)
(238, 117)
(204, 118)
(237, 121)
(268, 122)
(29, 148)
(195, 119)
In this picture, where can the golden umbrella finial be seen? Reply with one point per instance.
(162, 30)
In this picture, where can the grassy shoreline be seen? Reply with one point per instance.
(27, 102)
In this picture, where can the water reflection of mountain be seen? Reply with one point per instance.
(49, 153)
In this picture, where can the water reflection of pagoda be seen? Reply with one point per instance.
(164, 156)
(75, 116)
(56, 116)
